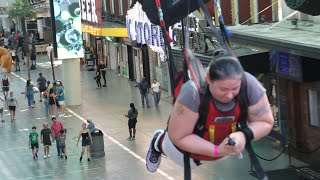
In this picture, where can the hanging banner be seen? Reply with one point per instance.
(67, 29)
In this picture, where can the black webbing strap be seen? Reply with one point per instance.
(203, 112)
(187, 168)
(242, 97)
(213, 27)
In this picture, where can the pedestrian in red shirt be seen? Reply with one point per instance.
(56, 126)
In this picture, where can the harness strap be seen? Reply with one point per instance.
(187, 168)
(203, 112)
(242, 97)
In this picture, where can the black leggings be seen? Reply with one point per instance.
(98, 82)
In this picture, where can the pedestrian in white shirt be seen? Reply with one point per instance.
(49, 51)
(156, 91)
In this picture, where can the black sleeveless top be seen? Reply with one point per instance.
(85, 135)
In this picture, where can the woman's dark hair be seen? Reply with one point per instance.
(28, 82)
(132, 107)
(225, 66)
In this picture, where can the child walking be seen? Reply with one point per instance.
(62, 145)
(34, 142)
(46, 136)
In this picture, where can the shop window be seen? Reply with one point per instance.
(314, 107)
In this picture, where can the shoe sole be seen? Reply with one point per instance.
(153, 167)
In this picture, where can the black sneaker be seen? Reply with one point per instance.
(80, 158)
(153, 158)
(61, 156)
(3, 121)
(65, 157)
(36, 155)
(89, 159)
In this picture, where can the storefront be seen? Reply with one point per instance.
(147, 44)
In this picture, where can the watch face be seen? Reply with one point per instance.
(68, 29)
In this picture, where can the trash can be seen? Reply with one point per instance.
(97, 148)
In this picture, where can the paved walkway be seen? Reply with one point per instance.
(106, 107)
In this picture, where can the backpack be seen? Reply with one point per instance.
(169, 9)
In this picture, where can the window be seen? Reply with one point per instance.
(314, 107)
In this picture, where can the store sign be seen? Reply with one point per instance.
(32, 2)
(140, 28)
(89, 10)
(67, 19)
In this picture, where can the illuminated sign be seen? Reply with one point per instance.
(89, 10)
(67, 16)
(140, 28)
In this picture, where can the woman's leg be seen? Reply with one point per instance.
(28, 98)
(155, 98)
(32, 99)
(88, 152)
(82, 152)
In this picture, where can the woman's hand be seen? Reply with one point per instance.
(240, 142)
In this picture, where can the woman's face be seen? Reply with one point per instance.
(154, 81)
(224, 90)
(84, 125)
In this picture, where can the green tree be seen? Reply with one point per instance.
(23, 10)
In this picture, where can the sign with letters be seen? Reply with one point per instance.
(90, 11)
(140, 28)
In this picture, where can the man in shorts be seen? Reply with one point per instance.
(5, 82)
(45, 137)
(34, 142)
(41, 85)
(12, 104)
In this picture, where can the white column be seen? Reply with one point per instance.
(71, 81)
(5, 24)
(236, 8)
(40, 28)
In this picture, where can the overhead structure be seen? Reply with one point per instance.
(311, 7)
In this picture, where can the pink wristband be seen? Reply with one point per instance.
(216, 150)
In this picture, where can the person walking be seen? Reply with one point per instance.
(91, 127)
(156, 91)
(34, 142)
(41, 82)
(46, 102)
(46, 137)
(98, 78)
(62, 145)
(60, 97)
(86, 141)
(29, 93)
(5, 82)
(132, 115)
(12, 104)
(56, 127)
(33, 56)
(103, 70)
(144, 87)
(52, 100)
(1, 109)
